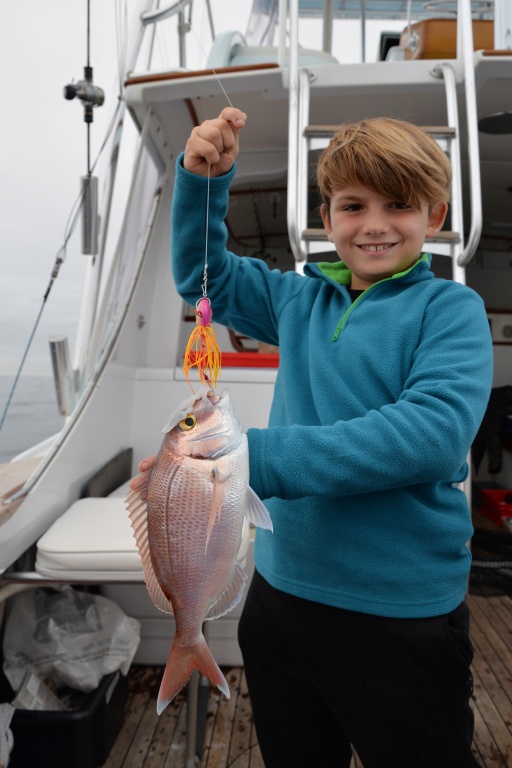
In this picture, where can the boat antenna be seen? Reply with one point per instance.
(91, 96)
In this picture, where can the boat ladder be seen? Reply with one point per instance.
(304, 138)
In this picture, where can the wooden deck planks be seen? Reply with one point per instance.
(491, 634)
(149, 741)
(240, 747)
(220, 745)
(140, 680)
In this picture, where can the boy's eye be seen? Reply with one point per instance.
(400, 206)
(352, 207)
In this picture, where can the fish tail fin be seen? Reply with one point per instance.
(182, 661)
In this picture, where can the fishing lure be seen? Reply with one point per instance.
(202, 350)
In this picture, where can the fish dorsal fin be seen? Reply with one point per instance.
(231, 596)
(136, 504)
(256, 512)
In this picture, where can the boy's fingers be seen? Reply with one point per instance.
(221, 133)
(203, 149)
(234, 116)
(146, 464)
(214, 143)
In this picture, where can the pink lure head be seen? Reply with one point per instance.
(204, 312)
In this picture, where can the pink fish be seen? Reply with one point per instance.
(187, 521)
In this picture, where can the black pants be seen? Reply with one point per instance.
(322, 679)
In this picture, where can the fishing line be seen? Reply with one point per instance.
(204, 53)
(205, 272)
(202, 350)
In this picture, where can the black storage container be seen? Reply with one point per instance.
(79, 739)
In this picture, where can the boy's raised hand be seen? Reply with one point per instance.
(214, 143)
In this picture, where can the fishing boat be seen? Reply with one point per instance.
(445, 66)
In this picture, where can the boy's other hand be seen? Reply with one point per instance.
(141, 481)
(214, 143)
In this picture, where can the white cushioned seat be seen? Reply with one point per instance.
(93, 540)
(244, 55)
(231, 50)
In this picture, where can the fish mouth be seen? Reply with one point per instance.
(226, 434)
(205, 393)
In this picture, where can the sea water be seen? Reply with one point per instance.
(32, 416)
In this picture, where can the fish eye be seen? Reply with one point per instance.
(189, 423)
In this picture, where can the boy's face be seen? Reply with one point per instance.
(375, 236)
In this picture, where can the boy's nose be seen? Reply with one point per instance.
(376, 224)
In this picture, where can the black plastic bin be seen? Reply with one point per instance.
(77, 739)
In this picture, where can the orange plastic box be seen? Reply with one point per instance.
(250, 360)
(247, 359)
(497, 504)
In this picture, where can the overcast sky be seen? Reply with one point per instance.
(43, 47)
(43, 155)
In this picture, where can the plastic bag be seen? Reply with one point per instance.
(72, 637)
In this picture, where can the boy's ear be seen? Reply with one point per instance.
(436, 217)
(324, 211)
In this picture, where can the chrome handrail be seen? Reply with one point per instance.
(447, 72)
(465, 51)
(303, 149)
(160, 14)
(293, 134)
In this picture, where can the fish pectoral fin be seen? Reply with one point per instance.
(256, 512)
(231, 596)
(220, 488)
(138, 512)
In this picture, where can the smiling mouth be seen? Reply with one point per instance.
(375, 248)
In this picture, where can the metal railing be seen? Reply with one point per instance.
(465, 52)
(445, 70)
(297, 118)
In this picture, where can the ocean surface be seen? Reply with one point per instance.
(32, 416)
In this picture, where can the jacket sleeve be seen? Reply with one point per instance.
(423, 437)
(245, 294)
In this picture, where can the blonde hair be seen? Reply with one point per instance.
(391, 157)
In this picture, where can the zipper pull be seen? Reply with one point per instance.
(337, 332)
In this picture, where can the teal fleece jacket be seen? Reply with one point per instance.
(375, 407)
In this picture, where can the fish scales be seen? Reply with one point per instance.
(187, 520)
(192, 569)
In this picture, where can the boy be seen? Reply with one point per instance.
(354, 630)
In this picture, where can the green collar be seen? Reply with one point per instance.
(338, 272)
